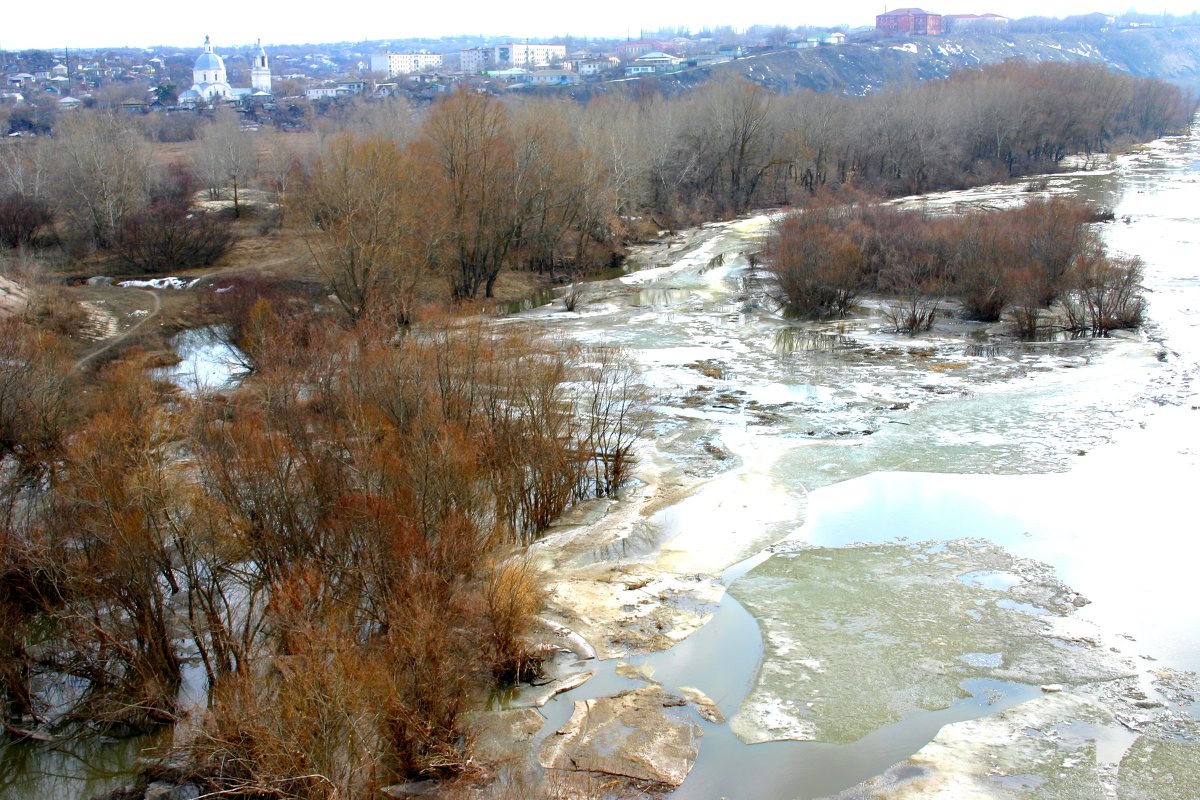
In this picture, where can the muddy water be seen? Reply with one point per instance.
(953, 521)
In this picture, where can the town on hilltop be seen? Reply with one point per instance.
(286, 85)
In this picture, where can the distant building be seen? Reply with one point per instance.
(976, 23)
(909, 20)
(552, 77)
(211, 84)
(393, 64)
(504, 56)
(628, 51)
(260, 72)
(832, 39)
(475, 60)
(590, 66)
(528, 55)
(654, 62)
(510, 75)
(343, 89)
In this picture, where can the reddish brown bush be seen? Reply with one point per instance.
(168, 237)
(22, 219)
(818, 268)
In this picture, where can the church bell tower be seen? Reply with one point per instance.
(260, 73)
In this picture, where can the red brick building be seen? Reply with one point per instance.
(909, 20)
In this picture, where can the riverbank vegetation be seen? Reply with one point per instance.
(376, 518)
(1024, 261)
(439, 202)
(322, 563)
(328, 553)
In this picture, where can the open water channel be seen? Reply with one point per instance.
(873, 551)
(956, 565)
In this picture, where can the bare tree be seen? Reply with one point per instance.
(102, 171)
(227, 158)
(362, 210)
(470, 141)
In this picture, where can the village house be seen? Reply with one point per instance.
(343, 89)
(909, 20)
(831, 39)
(654, 62)
(511, 75)
(588, 67)
(551, 77)
(628, 51)
(974, 23)
(320, 92)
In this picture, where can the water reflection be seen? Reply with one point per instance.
(206, 362)
(535, 300)
(791, 339)
(1077, 522)
(775, 770)
(658, 297)
(79, 767)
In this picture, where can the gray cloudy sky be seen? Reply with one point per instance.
(74, 23)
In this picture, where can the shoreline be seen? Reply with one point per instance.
(608, 587)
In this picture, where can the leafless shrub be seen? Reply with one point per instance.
(51, 308)
(572, 296)
(817, 266)
(513, 594)
(167, 236)
(22, 219)
(1104, 294)
(916, 297)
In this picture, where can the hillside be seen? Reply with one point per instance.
(859, 68)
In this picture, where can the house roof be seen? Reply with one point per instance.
(908, 12)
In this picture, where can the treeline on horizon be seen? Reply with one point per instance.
(545, 184)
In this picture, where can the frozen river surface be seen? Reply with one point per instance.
(918, 535)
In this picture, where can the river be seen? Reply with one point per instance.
(872, 552)
(916, 535)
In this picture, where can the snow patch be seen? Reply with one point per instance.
(159, 283)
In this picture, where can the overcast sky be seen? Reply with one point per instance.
(142, 23)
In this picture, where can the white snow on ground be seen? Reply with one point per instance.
(159, 283)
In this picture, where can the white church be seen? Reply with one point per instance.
(210, 84)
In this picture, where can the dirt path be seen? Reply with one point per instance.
(117, 340)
